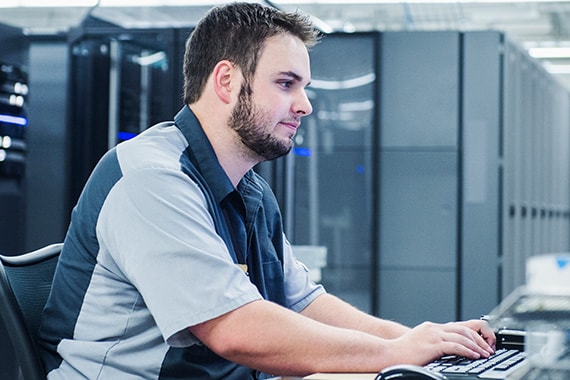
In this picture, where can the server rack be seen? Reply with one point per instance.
(429, 168)
(14, 96)
(464, 171)
(14, 90)
(121, 82)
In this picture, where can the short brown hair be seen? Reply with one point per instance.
(237, 32)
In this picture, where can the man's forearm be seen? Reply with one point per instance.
(331, 310)
(331, 336)
(275, 340)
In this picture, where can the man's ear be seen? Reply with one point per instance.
(224, 78)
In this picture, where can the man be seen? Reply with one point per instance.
(175, 264)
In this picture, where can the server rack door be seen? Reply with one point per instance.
(325, 183)
(480, 227)
(121, 82)
(418, 231)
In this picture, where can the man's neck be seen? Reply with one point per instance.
(231, 153)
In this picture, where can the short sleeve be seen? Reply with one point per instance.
(156, 227)
(300, 289)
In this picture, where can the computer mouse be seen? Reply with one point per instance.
(408, 372)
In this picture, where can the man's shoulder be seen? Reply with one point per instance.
(160, 146)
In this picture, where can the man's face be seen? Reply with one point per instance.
(266, 120)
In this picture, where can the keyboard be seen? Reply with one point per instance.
(502, 364)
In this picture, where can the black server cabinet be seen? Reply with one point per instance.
(121, 82)
(14, 90)
(14, 99)
(46, 218)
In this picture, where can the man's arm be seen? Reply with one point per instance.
(270, 338)
(273, 339)
(331, 310)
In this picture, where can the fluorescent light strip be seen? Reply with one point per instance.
(343, 84)
(148, 60)
(13, 120)
(549, 52)
(365, 105)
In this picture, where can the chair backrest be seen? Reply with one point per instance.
(25, 283)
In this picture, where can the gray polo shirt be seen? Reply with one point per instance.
(150, 252)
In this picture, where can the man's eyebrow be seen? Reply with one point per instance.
(293, 75)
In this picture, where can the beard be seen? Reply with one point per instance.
(250, 122)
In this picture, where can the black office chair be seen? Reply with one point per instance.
(25, 283)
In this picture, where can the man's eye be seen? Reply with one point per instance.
(286, 84)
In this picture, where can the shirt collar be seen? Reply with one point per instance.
(202, 154)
